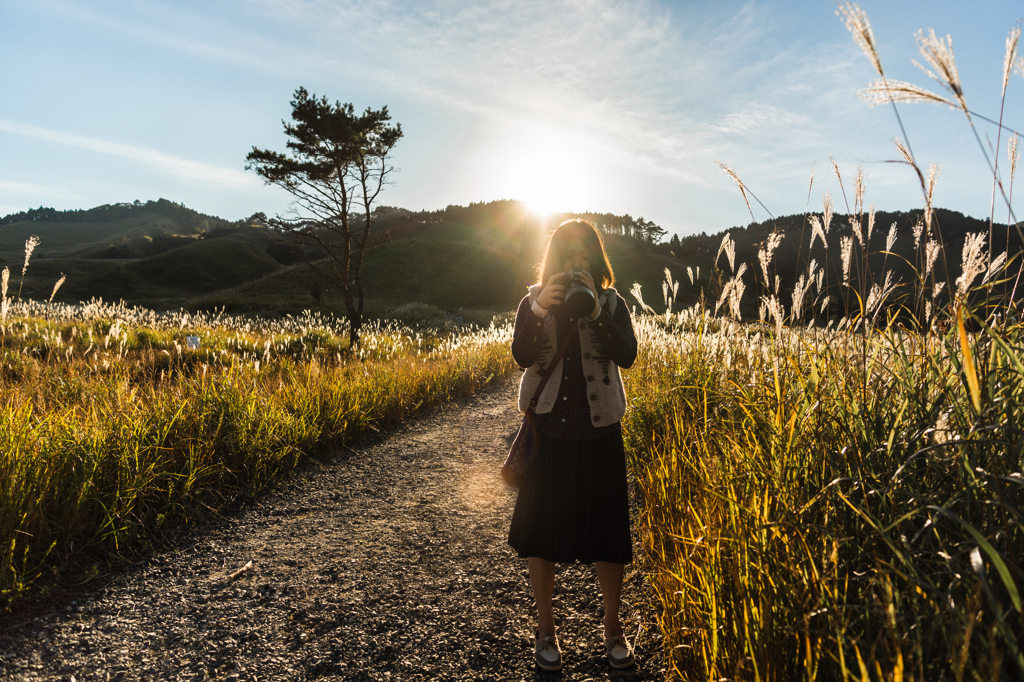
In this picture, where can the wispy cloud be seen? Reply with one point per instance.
(665, 89)
(11, 188)
(173, 165)
(632, 78)
(177, 29)
(648, 89)
(617, 69)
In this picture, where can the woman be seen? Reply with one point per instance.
(573, 502)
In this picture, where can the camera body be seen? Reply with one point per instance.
(579, 299)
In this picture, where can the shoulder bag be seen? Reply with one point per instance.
(524, 447)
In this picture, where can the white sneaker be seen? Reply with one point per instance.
(620, 654)
(548, 655)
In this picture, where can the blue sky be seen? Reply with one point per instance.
(599, 105)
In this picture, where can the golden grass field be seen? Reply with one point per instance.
(821, 498)
(113, 429)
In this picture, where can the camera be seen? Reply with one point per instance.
(579, 299)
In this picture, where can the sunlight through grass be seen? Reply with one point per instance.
(113, 430)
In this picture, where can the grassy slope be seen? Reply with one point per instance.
(154, 256)
(634, 261)
(158, 265)
(67, 238)
(482, 257)
(186, 271)
(449, 266)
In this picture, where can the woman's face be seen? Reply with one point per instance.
(575, 255)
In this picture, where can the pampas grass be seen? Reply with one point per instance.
(113, 431)
(4, 277)
(30, 245)
(842, 503)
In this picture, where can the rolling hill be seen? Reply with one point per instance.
(163, 255)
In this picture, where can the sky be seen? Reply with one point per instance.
(618, 106)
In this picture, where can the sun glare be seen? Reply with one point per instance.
(550, 171)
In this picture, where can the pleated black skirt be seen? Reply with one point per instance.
(573, 504)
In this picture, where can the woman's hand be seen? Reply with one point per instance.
(589, 282)
(553, 293)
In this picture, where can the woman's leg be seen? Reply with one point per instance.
(609, 576)
(542, 577)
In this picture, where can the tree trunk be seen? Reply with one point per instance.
(355, 323)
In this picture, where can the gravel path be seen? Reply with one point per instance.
(387, 564)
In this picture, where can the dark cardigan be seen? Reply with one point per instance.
(569, 419)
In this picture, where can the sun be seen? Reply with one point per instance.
(550, 171)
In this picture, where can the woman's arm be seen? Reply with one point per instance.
(527, 336)
(615, 334)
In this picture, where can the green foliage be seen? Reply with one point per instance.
(842, 504)
(169, 210)
(418, 313)
(336, 168)
(189, 270)
(163, 255)
(145, 257)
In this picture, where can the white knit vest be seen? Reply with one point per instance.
(604, 383)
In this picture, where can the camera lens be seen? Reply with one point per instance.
(579, 299)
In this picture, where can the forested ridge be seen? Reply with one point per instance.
(110, 252)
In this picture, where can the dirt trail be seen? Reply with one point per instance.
(389, 564)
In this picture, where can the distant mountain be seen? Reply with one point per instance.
(168, 212)
(794, 254)
(481, 256)
(153, 253)
(163, 255)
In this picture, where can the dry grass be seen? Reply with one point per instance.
(808, 507)
(112, 429)
(842, 498)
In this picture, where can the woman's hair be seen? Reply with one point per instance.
(583, 232)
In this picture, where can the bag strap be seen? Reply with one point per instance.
(551, 367)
